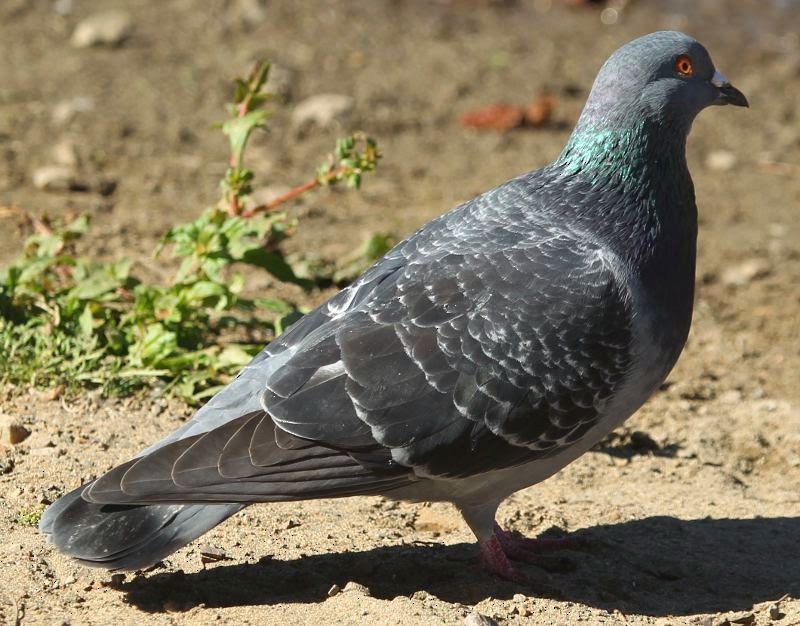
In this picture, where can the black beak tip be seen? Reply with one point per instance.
(728, 94)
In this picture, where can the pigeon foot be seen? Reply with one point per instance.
(495, 561)
(504, 545)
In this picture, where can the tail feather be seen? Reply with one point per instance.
(127, 537)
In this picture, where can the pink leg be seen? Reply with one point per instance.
(504, 545)
(495, 561)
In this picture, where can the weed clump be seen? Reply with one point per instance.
(68, 320)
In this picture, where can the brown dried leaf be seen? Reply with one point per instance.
(499, 117)
(540, 110)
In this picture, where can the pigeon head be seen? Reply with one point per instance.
(650, 89)
(665, 78)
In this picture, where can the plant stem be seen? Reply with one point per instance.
(293, 193)
(234, 208)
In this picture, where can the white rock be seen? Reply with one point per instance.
(109, 28)
(745, 272)
(62, 7)
(777, 230)
(65, 153)
(476, 619)
(249, 12)
(53, 178)
(322, 110)
(731, 396)
(356, 587)
(65, 110)
(44, 451)
(720, 160)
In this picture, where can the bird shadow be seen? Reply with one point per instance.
(656, 566)
(626, 444)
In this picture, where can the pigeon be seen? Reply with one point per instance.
(481, 355)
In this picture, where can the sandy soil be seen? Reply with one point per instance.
(691, 513)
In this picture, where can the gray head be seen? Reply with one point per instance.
(665, 78)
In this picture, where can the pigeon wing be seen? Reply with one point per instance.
(467, 362)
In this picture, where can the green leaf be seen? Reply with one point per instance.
(157, 344)
(205, 289)
(79, 226)
(86, 321)
(238, 130)
(100, 281)
(376, 246)
(274, 305)
(133, 372)
(233, 355)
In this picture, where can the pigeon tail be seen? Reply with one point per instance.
(127, 537)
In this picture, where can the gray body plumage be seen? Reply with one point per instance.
(482, 354)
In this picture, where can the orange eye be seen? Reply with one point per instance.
(683, 65)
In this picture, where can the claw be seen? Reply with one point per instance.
(504, 545)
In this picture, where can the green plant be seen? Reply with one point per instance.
(29, 516)
(69, 320)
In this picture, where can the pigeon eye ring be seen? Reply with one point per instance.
(683, 65)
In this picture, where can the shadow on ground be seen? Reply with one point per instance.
(656, 566)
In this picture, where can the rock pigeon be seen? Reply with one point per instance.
(485, 352)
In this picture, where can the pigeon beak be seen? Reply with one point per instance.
(728, 94)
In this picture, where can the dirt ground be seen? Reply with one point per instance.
(691, 513)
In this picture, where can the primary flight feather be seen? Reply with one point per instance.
(493, 346)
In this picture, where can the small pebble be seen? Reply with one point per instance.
(720, 161)
(609, 16)
(65, 110)
(72, 597)
(53, 178)
(774, 612)
(45, 451)
(777, 230)
(334, 590)
(12, 431)
(745, 272)
(730, 396)
(109, 28)
(476, 619)
(65, 153)
(356, 587)
(741, 618)
(54, 393)
(62, 7)
(323, 111)
(249, 12)
(212, 554)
